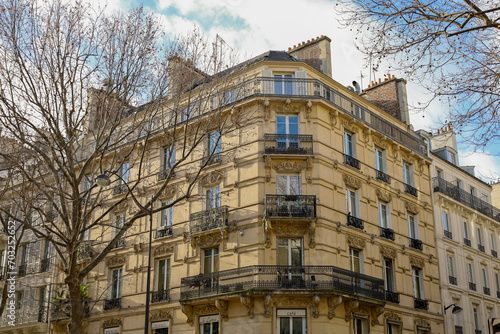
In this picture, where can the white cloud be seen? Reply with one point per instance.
(486, 164)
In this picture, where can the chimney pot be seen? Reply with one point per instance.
(379, 80)
(289, 48)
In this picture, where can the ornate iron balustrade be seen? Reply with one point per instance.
(467, 242)
(452, 280)
(486, 290)
(120, 189)
(387, 233)
(208, 220)
(411, 190)
(354, 222)
(112, 303)
(448, 234)
(416, 244)
(85, 252)
(120, 243)
(44, 265)
(392, 297)
(23, 268)
(163, 232)
(472, 286)
(290, 206)
(459, 330)
(258, 279)
(160, 296)
(383, 177)
(288, 144)
(210, 159)
(494, 253)
(421, 304)
(480, 248)
(453, 191)
(351, 161)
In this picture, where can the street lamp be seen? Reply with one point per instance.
(456, 309)
(103, 180)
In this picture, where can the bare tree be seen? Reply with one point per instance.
(449, 47)
(87, 93)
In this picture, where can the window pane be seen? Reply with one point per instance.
(281, 184)
(293, 125)
(297, 325)
(215, 328)
(161, 275)
(284, 325)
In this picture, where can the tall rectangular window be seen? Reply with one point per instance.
(209, 324)
(384, 215)
(497, 284)
(163, 275)
(484, 274)
(389, 282)
(167, 214)
(349, 144)
(470, 276)
(477, 318)
(213, 142)
(408, 173)
(291, 321)
(168, 159)
(439, 173)
(290, 252)
(493, 243)
(356, 260)
(116, 283)
(452, 277)
(283, 84)
(288, 184)
(466, 230)
(119, 222)
(124, 172)
(212, 200)
(412, 226)
(352, 202)
(418, 283)
(211, 260)
(287, 129)
(446, 223)
(360, 325)
(380, 164)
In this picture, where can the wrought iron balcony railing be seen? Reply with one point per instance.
(85, 252)
(486, 290)
(416, 244)
(411, 190)
(210, 159)
(480, 248)
(160, 296)
(454, 191)
(354, 222)
(392, 297)
(383, 177)
(472, 286)
(291, 206)
(467, 242)
(459, 330)
(387, 233)
(163, 232)
(208, 220)
(120, 189)
(452, 280)
(421, 304)
(258, 279)
(351, 161)
(44, 265)
(448, 234)
(288, 144)
(112, 303)
(120, 243)
(494, 253)
(22, 270)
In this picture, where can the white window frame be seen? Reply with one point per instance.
(493, 244)
(389, 282)
(384, 214)
(289, 250)
(380, 160)
(118, 223)
(418, 283)
(166, 273)
(484, 274)
(214, 260)
(476, 317)
(116, 284)
(465, 226)
(124, 172)
(165, 157)
(290, 314)
(355, 253)
(289, 179)
(412, 233)
(470, 272)
(362, 322)
(479, 236)
(166, 215)
(408, 173)
(350, 144)
(209, 319)
(450, 264)
(212, 199)
(350, 201)
(446, 221)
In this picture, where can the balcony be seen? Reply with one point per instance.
(351, 161)
(354, 222)
(120, 189)
(290, 206)
(208, 220)
(265, 279)
(459, 330)
(44, 265)
(416, 244)
(480, 248)
(452, 280)
(211, 159)
(421, 304)
(160, 296)
(113, 303)
(164, 231)
(486, 291)
(453, 191)
(494, 253)
(22, 270)
(467, 242)
(288, 144)
(85, 251)
(472, 286)
(119, 244)
(448, 234)
(387, 233)
(392, 297)
(383, 177)
(411, 190)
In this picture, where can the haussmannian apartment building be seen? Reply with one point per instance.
(322, 223)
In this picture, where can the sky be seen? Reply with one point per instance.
(253, 27)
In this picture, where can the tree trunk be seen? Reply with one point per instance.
(78, 318)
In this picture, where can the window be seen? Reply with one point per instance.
(287, 127)
(446, 225)
(484, 197)
(290, 251)
(356, 260)
(412, 227)
(213, 148)
(450, 262)
(19, 299)
(212, 198)
(439, 173)
(291, 321)
(116, 284)
(480, 244)
(352, 202)
(470, 276)
(283, 84)
(380, 164)
(418, 283)
(477, 318)
(360, 325)
(209, 324)
(288, 184)
(460, 183)
(473, 191)
(124, 172)
(166, 215)
(160, 327)
(393, 328)
(408, 173)
(86, 181)
(119, 222)
(451, 157)
(211, 260)
(389, 275)
(493, 244)
(350, 144)
(497, 284)
(466, 232)
(163, 275)
(168, 159)
(384, 215)
(484, 274)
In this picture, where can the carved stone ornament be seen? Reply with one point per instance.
(333, 302)
(350, 306)
(188, 310)
(376, 311)
(379, 143)
(388, 252)
(356, 242)
(291, 302)
(168, 192)
(161, 315)
(248, 303)
(111, 323)
(314, 304)
(349, 127)
(308, 110)
(422, 323)
(287, 229)
(287, 108)
(208, 240)
(222, 306)
(383, 195)
(417, 262)
(289, 166)
(392, 316)
(163, 250)
(412, 208)
(333, 117)
(395, 150)
(211, 178)
(206, 309)
(267, 109)
(352, 181)
(116, 261)
(267, 305)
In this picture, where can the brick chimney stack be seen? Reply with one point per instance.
(316, 52)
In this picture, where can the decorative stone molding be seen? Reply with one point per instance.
(352, 181)
(395, 150)
(288, 229)
(267, 161)
(408, 157)
(116, 261)
(188, 310)
(356, 242)
(208, 240)
(291, 302)
(163, 250)
(161, 315)
(412, 208)
(366, 133)
(206, 309)
(312, 234)
(350, 306)
(267, 305)
(376, 311)
(380, 143)
(222, 306)
(422, 323)
(267, 109)
(287, 108)
(168, 192)
(308, 110)
(289, 166)
(248, 303)
(392, 316)
(333, 117)
(349, 127)
(268, 178)
(388, 252)
(383, 195)
(314, 304)
(211, 178)
(417, 262)
(111, 323)
(333, 302)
